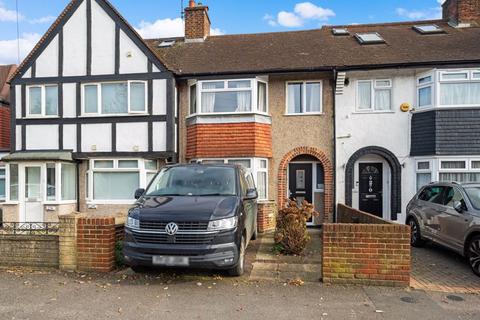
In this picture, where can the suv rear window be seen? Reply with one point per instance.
(432, 194)
(473, 194)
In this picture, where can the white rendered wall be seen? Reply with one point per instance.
(96, 137)
(103, 41)
(70, 137)
(18, 101)
(390, 130)
(160, 96)
(42, 137)
(132, 59)
(47, 63)
(132, 137)
(159, 136)
(69, 100)
(75, 43)
(18, 137)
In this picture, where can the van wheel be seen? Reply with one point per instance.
(473, 254)
(239, 269)
(415, 235)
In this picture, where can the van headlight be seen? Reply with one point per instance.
(223, 224)
(133, 223)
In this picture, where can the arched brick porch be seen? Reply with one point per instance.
(327, 167)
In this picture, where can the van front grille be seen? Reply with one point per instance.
(182, 226)
(187, 239)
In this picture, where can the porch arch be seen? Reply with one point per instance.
(328, 171)
(395, 171)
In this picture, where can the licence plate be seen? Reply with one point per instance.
(170, 261)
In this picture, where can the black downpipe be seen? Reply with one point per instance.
(78, 186)
(335, 74)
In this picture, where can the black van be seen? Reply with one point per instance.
(198, 216)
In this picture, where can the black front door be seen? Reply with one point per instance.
(300, 182)
(371, 188)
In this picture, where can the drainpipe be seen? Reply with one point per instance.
(334, 147)
(78, 186)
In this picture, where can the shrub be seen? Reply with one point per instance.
(291, 232)
(119, 261)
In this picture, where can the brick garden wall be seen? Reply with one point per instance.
(267, 216)
(371, 253)
(29, 250)
(96, 244)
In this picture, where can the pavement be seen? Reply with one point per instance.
(200, 294)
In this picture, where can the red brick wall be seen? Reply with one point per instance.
(371, 254)
(226, 140)
(346, 214)
(4, 127)
(267, 215)
(462, 11)
(197, 22)
(96, 244)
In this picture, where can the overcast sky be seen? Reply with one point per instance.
(161, 18)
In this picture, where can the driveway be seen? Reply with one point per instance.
(435, 268)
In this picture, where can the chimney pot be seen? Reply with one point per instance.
(191, 4)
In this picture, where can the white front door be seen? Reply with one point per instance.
(33, 194)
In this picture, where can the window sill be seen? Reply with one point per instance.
(213, 114)
(430, 108)
(57, 203)
(306, 114)
(374, 112)
(40, 117)
(113, 115)
(106, 202)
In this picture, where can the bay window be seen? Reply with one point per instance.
(424, 173)
(13, 182)
(304, 97)
(2, 184)
(462, 170)
(257, 166)
(228, 96)
(42, 100)
(109, 98)
(115, 180)
(374, 95)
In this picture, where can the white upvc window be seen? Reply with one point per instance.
(114, 98)
(228, 96)
(257, 166)
(304, 97)
(425, 90)
(115, 180)
(374, 95)
(459, 88)
(42, 101)
(424, 173)
(2, 184)
(459, 170)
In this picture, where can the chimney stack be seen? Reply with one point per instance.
(462, 13)
(197, 22)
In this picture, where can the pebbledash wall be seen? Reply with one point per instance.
(364, 249)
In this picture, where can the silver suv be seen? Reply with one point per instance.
(448, 214)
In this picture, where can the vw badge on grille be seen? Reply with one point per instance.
(171, 228)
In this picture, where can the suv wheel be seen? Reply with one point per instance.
(240, 267)
(415, 235)
(473, 254)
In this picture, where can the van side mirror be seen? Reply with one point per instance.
(252, 194)
(139, 193)
(459, 206)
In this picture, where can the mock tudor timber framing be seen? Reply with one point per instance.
(120, 25)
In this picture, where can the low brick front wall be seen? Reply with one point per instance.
(373, 252)
(38, 251)
(267, 216)
(96, 244)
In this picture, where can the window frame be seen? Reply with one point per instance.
(441, 161)
(99, 99)
(373, 88)
(304, 97)
(3, 198)
(43, 101)
(430, 84)
(141, 169)
(470, 79)
(253, 90)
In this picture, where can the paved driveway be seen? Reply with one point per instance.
(435, 268)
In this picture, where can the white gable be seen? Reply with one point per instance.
(103, 41)
(47, 63)
(132, 59)
(75, 43)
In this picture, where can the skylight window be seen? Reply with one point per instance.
(166, 43)
(428, 29)
(340, 32)
(369, 38)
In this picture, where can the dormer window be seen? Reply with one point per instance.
(369, 38)
(228, 96)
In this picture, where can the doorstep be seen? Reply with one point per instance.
(269, 266)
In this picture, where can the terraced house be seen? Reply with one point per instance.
(360, 114)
